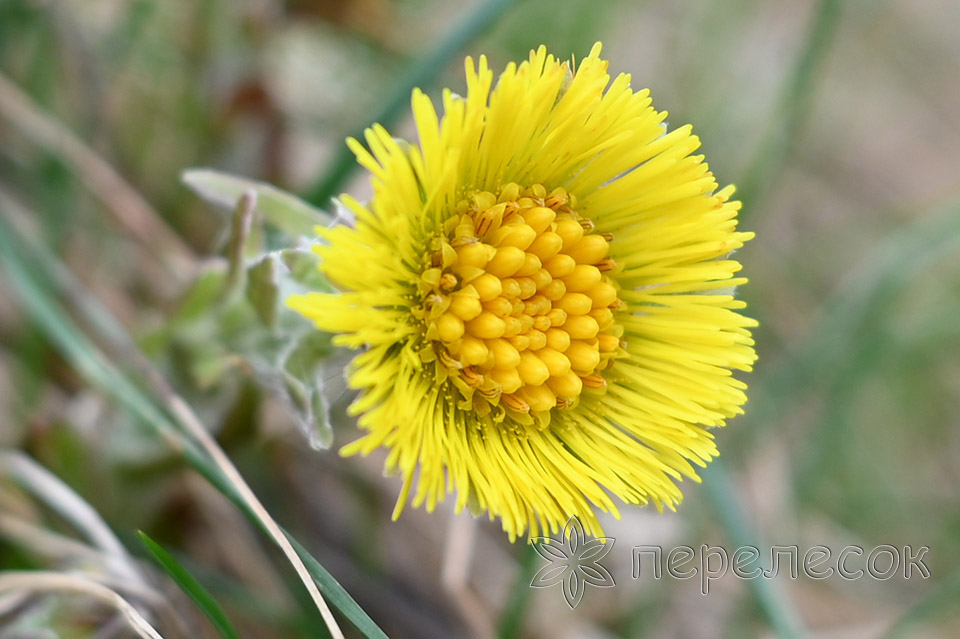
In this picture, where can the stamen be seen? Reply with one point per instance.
(606, 264)
(448, 282)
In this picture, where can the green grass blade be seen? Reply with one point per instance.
(721, 492)
(70, 341)
(329, 586)
(193, 588)
(942, 599)
(100, 373)
(827, 353)
(518, 603)
(420, 74)
(336, 594)
(792, 106)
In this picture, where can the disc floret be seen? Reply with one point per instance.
(518, 303)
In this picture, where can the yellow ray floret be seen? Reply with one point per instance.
(541, 295)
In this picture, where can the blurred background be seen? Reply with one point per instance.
(838, 121)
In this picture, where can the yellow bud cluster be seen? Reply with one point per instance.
(517, 301)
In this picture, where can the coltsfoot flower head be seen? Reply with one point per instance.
(541, 292)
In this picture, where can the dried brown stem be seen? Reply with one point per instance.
(455, 575)
(128, 208)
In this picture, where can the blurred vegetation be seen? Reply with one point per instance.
(840, 122)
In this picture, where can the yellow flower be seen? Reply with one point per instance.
(541, 292)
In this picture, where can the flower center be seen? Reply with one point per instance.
(517, 304)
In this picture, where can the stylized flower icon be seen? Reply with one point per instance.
(574, 562)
